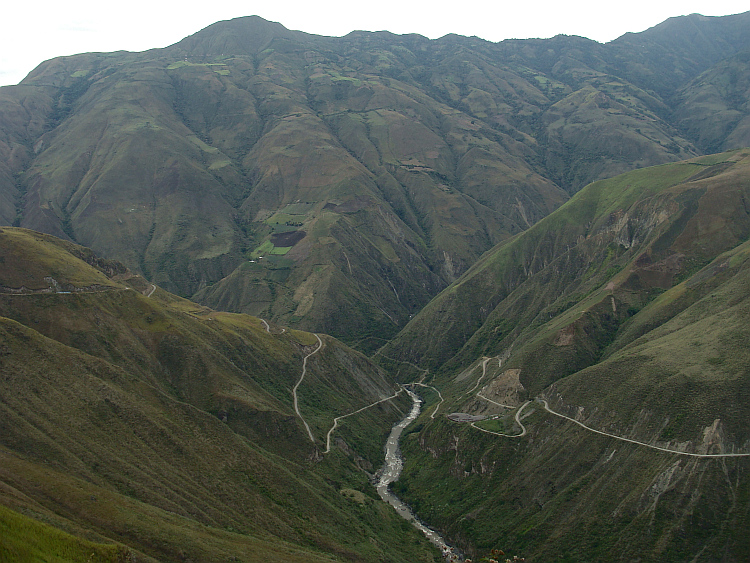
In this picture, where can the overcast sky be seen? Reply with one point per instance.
(36, 31)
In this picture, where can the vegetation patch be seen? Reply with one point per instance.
(287, 239)
(26, 539)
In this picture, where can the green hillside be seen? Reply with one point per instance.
(132, 416)
(201, 245)
(625, 310)
(624, 239)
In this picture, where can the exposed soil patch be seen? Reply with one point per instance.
(287, 239)
(565, 336)
(506, 388)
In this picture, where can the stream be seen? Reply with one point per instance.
(391, 471)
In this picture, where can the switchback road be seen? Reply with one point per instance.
(301, 379)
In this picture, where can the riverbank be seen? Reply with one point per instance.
(390, 473)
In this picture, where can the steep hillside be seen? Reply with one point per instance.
(617, 241)
(337, 184)
(133, 418)
(678, 49)
(624, 311)
(668, 479)
(714, 108)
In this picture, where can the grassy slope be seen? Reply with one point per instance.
(26, 539)
(713, 107)
(112, 422)
(666, 365)
(626, 231)
(564, 494)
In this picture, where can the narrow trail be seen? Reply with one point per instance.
(437, 408)
(479, 394)
(518, 421)
(524, 431)
(266, 326)
(336, 420)
(151, 291)
(30, 293)
(301, 379)
(549, 410)
(484, 372)
(485, 361)
(424, 371)
(421, 379)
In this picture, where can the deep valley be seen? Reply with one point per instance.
(226, 265)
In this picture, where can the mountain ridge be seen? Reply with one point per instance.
(393, 161)
(529, 230)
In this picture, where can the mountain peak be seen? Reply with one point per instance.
(239, 36)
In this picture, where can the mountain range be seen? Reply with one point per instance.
(549, 237)
(338, 184)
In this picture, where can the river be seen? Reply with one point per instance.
(391, 471)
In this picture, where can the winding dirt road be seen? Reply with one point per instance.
(437, 408)
(549, 410)
(301, 379)
(485, 361)
(518, 421)
(336, 420)
(544, 403)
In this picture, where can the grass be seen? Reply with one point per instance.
(493, 425)
(28, 257)
(265, 248)
(667, 366)
(170, 427)
(25, 540)
(280, 250)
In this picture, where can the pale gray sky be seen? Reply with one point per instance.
(34, 32)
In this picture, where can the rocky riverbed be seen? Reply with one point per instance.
(392, 470)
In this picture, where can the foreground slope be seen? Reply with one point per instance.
(625, 311)
(337, 184)
(135, 418)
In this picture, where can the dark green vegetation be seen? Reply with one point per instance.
(337, 184)
(626, 309)
(151, 428)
